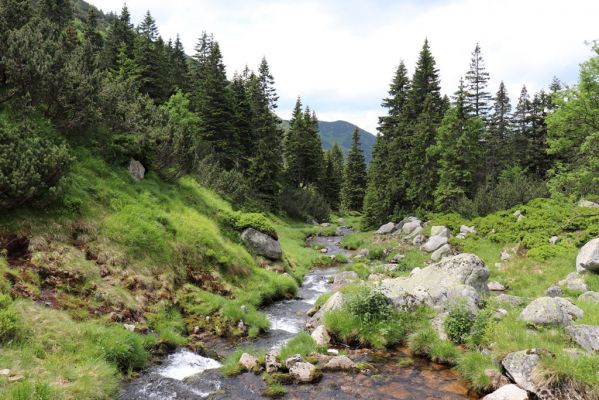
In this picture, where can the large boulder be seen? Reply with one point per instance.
(344, 278)
(455, 280)
(575, 282)
(136, 170)
(339, 363)
(519, 367)
(509, 300)
(262, 244)
(335, 302)
(587, 203)
(508, 392)
(588, 257)
(433, 243)
(441, 252)
(321, 336)
(409, 225)
(303, 372)
(550, 311)
(386, 229)
(590, 297)
(440, 231)
(587, 336)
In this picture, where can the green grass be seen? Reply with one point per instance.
(472, 366)
(231, 365)
(301, 344)
(356, 240)
(359, 268)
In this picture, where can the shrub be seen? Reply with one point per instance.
(305, 204)
(239, 221)
(33, 161)
(472, 366)
(28, 391)
(421, 342)
(359, 268)
(121, 347)
(11, 325)
(231, 366)
(478, 331)
(458, 325)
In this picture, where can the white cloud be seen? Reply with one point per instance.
(340, 55)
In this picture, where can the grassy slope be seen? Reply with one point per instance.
(163, 255)
(535, 265)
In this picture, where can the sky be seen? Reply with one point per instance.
(340, 55)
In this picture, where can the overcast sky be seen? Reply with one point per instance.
(340, 55)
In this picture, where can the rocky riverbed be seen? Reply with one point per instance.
(393, 374)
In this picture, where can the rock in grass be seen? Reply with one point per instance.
(410, 225)
(344, 278)
(588, 257)
(575, 282)
(587, 336)
(456, 279)
(508, 299)
(334, 302)
(520, 366)
(554, 291)
(553, 239)
(505, 255)
(321, 336)
(587, 203)
(270, 361)
(507, 392)
(304, 372)
(590, 297)
(433, 243)
(386, 229)
(441, 252)
(262, 244)
(339, 363)
(496, 287)
(136, 170)
(550, 311)
(294, 359)
(249, 362)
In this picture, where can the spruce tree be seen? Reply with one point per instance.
(522, 126)
(458, 153)
(478, 98)
(179, 66)
(333, 176)
(536, 160)
(354, 176)
(425, 81)
(498, 134)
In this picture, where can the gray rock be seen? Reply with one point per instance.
(418, 240)
(496, 287)
(441, 252)
(363, 252)
(389, 267)
(386, 229)
(262, 244)
(397, 258)
(433, 243)
(339, 363)
(508, 392)
(467, 230)
(574, 281)
(324, 250)
(505, 255)
(375, 277)
(271, 362)
(414, 234)
(590, 297)
(517, 213)
(508, 299)
(554, 291)
(344, 278)
(553, 239)
(587, 336)
(334, 302)
(520, 366)
(500, 314)
(588, 257)
(410, 225)
(321, 336)
(440, 231)
(249, 362)
(136, 170)
(587, 203)
(294, 359)
(457, 279)
(303, 372)
(461, 235)
(520, 218)
(550, 311)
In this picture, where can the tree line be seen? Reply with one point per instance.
(124, 92)
(474, 153)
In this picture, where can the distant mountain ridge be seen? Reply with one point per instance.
(340, 132)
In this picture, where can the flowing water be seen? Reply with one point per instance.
(185, 375)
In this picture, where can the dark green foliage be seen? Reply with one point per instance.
(498, 134)
(477, 78)
(333, 176)
(33, 160)
(121, 347)
(354, 177)
(11, 326)
(458, 325)
(305, 204)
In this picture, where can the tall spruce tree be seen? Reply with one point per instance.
(498, 134)
(478, 99)
(333, 176)
(179, 66)
(522, 128)
(536, 160)
(457, 151)
(354, 176)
